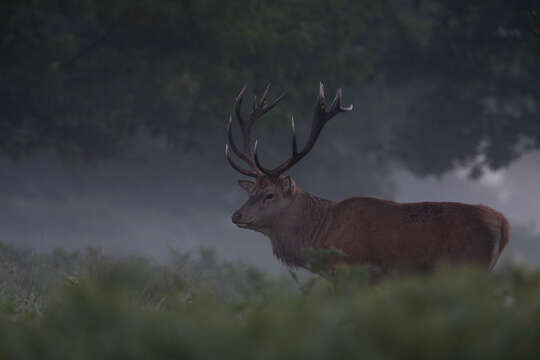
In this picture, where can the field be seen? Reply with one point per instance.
(90, 306)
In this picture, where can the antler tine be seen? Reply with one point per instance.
(263, 97)
(238, 105)
(236, 167)
(271, 172)
(337, 106)
(321, 92)
(245, 127)
(320, 118)
(293, 130)
(267, 108)
(268, 172)
(248, 155)
(234, 148)
(260, 108)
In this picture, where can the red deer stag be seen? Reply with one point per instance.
(371, 231)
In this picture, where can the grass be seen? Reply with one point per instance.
(89, 306)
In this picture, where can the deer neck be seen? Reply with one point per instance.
(299, 226)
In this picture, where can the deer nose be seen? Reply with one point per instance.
(236, 217)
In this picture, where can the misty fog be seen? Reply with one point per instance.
(156, 197)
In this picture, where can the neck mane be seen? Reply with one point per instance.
(298, 227)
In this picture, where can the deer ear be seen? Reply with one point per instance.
(247, 185)
(288, 185)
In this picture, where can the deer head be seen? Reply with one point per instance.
(271, 192)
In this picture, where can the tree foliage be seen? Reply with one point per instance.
(479, 59)
(83, 77)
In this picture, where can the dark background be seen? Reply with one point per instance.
(113, 114)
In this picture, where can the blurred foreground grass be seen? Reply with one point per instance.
(88, 306)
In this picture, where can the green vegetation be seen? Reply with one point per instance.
(84, 77)
(89, 306)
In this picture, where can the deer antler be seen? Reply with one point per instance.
(248, 155)
(320, 118)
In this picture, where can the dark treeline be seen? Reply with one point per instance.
(83, 77)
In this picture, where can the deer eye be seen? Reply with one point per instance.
(268, 197)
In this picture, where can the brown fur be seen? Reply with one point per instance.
(385, 234)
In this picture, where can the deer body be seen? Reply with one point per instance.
(380, 233)
(385, 234)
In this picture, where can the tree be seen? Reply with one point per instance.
(83, 77)
(476, 63)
